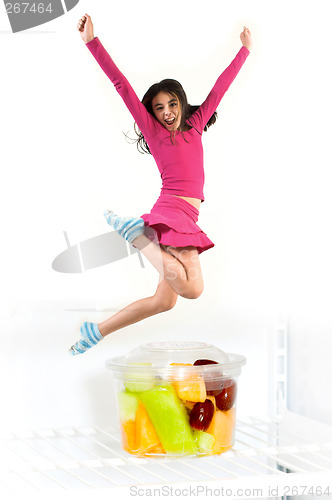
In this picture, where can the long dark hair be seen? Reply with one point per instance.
(174, 88)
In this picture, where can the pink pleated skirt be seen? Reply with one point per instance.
(175, 223)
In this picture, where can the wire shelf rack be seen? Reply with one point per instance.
(78, 459)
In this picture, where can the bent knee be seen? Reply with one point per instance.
(167, 303)
(193, 292)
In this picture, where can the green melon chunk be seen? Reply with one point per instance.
(140, 380)
(127, 405)
(170, 419)
(204, 441)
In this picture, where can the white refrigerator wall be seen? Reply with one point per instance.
(64, 159)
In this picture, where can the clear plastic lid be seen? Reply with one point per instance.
(162, 358)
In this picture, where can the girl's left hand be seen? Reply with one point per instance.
(246, 38)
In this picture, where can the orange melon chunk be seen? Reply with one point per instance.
(189, 404)
(191, 387)
(158, 449)
(128, 435)
(213, 399)
(146, 437)
(222, 428)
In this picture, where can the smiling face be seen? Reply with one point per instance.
(167, 110)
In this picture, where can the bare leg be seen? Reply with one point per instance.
(182, 276)
(163, 300)
(180, 267)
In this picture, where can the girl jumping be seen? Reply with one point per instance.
(171, 130)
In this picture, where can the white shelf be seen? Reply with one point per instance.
(86, 459)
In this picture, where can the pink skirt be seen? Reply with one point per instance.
(174, 221)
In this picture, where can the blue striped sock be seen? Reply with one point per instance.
(90, 336)
(127, 227)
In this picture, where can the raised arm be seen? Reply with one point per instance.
(200, 118)
(146, 123)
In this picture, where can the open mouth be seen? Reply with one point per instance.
(170, 122)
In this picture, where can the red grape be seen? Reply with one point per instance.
(201, 415)
(205, 362)
(226, 399)
(215, 385)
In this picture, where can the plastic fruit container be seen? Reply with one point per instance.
(176, 398)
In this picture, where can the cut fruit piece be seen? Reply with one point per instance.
(213, 379)
(213, 399)
(127, 405)
(170, 420)
(191, 390)
(146, 436)
(200, 362)
(157, 450)
(127, 411)
(201, 415)
(204, 441)
(226, 399)
(189, 404)
(128, 435)
(189, 386)
(142, 380)
(181, 364)
(222, 427)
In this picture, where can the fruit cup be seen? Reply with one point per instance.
(176, 398)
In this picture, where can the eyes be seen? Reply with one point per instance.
(171, 105)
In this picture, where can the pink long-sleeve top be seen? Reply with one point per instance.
(180, 160)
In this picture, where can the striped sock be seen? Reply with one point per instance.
(127, 227)
(90, 336)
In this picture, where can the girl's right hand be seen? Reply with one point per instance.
(85, 27)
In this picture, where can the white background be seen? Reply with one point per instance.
(268, 203)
